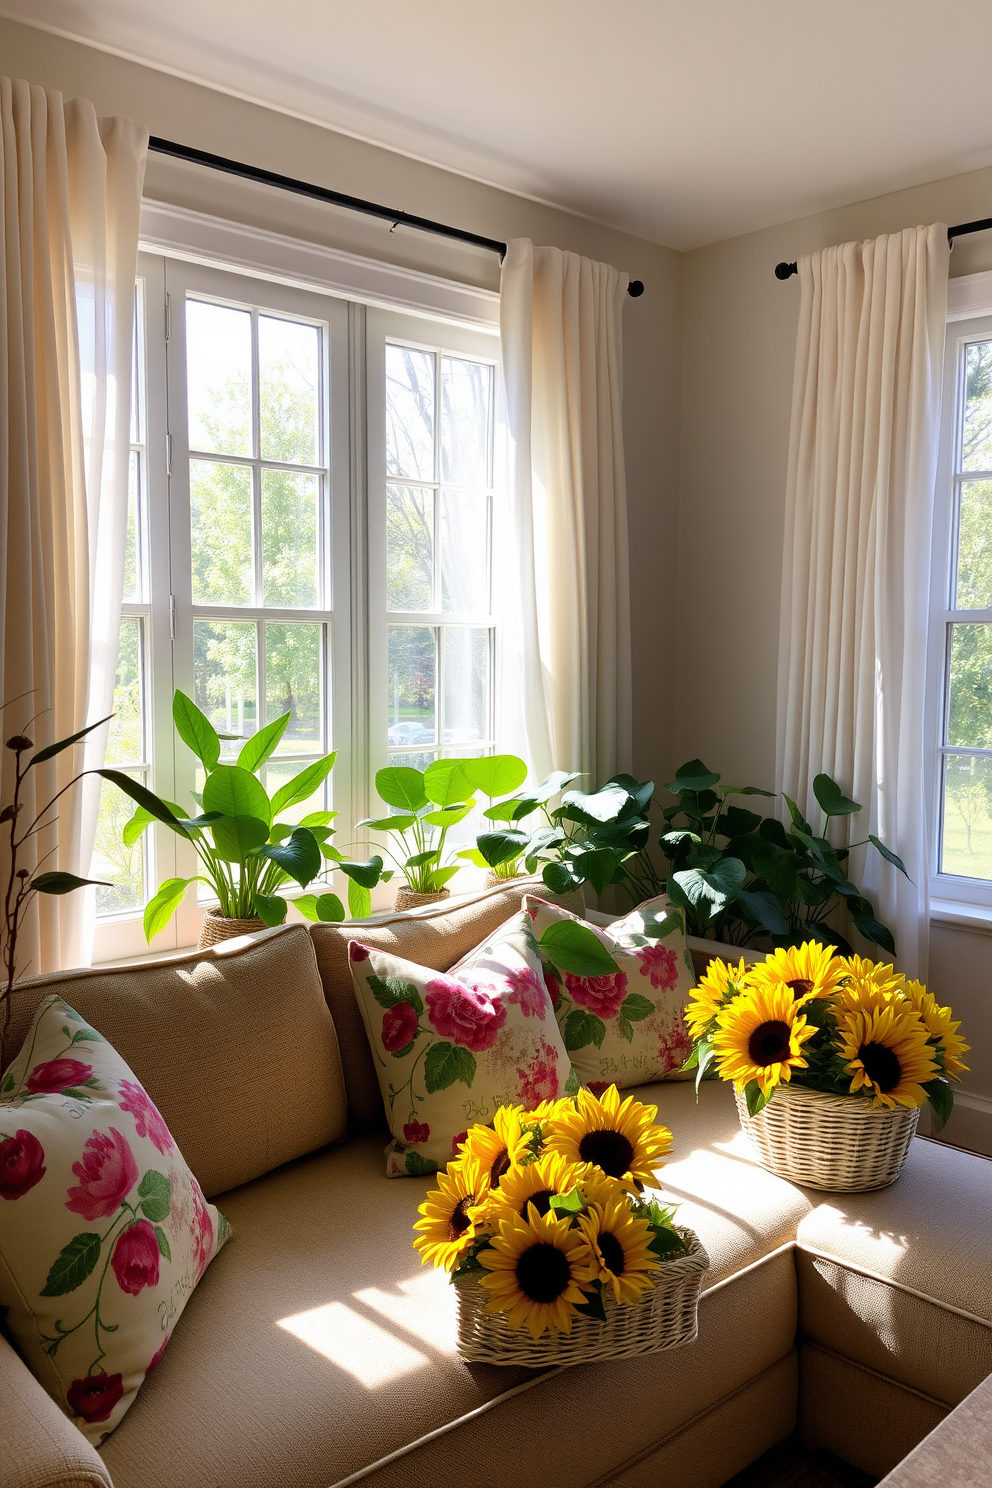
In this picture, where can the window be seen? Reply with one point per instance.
(962, 644)
(281, 561)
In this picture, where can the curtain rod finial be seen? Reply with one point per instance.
(786, 270)
(635, 288)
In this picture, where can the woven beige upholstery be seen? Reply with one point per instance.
(436, 936)
(39, 1446)
(957, 1454)
(234, 1045)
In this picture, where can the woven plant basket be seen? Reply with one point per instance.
(494, 881)
(216, 928)
(840, 1143)
(665, 1318)
(407, 899)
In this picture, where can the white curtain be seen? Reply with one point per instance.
(563, 576)
(70, 186)
(856, 576)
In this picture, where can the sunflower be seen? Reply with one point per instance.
(719, 982)
(868, 985)
(448, 1227)
(886, 1053)
(620, 1245)
(810, 970)
(621, 1138)
(495, 1148)
(534, 1185)
(941, 1027)
(536, 1270)
(760, 1037)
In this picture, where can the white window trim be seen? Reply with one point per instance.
(963, 903)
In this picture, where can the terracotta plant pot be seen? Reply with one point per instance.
(407, 899)
(216, 928)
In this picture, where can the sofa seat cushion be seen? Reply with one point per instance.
(899, 1280)
(316, 1345)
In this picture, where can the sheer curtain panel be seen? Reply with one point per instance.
(564, 576)
(856, 575)
(71, 192)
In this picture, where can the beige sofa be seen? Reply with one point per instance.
(316, 1352)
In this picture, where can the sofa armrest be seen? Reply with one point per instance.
(39, 1446)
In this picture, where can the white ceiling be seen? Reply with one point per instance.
(683, 121)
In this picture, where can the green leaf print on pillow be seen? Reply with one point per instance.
(446, 1063)
(73, 1264)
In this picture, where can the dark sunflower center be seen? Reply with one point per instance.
(543, 1273)
(609, 1150)
(612, 1252)
(800, 987)
(769, 1043)
(541, 1202)
(459, 1221)
(881, 1065)
(499, 1167)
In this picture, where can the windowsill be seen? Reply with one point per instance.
(976, 917)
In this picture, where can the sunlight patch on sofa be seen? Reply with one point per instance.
(355, 1344)
(425, 1308)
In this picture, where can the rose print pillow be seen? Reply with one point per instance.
(450, 1048)
(627, 1028)
(104, 1231)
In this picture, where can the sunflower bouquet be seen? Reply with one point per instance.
(543, 1219)
(840, 1025)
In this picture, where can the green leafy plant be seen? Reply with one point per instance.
(426, 805)
(749, 878)
(515, 843)
(246, 853)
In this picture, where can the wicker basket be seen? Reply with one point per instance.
(216, 928)
(407, 899)
(839, 1143)
(664, 1318)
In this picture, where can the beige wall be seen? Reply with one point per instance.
(739, 330)
(652, 333)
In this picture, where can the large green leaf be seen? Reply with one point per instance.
(303, 785)
(693, 776)
(561, 878)
(142, 819)
(941, 1098)
(160, 909)
(235, 792)
(401, 822)
(712, 889)
(603, 805)
(766, 910)
(235, 837)
(402, 787)
(196, 730)
(446, 1063)
(571, 946)
(359, 900)
(777, 866)
(270, 908)
(142, 796)
(598, 866)
(262, 744)
(888, 854)
(299, 857)
(875, 931)
(367, 873)
(495, 774)
(448, 816)
(445, 782)
(831, 798)
(72, 1265)
(500, 847)
(63, 883)
(51, 750)
(326, 908)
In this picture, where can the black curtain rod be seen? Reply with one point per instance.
(786, 270)
(335, 198)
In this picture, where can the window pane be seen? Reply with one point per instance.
(466, 392)
(218, 378)
(224, 675)
(969, 719)
(292, 684)
(974, 586)
(220, 532)
(289, 390)
(412, 680)
(277, 774)
(132, 565)
(123, 867)
(409, 548)
(967, 817)
(409, 413)
(418, 761)
(125, 741)
(464, 553)
(466, 685)
(289, 539)
(976, 443)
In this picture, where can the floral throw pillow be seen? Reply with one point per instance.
(626, 1028)
(451, 1048)
(104, 1231)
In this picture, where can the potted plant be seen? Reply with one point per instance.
(246, 854)
(511, 848)
(831, 1058)
(426, 805)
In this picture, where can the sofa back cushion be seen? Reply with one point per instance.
(436, 936)
(235, 1046)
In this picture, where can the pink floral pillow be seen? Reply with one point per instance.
(104, 1231)
(450, 1048)
(626, 1028)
